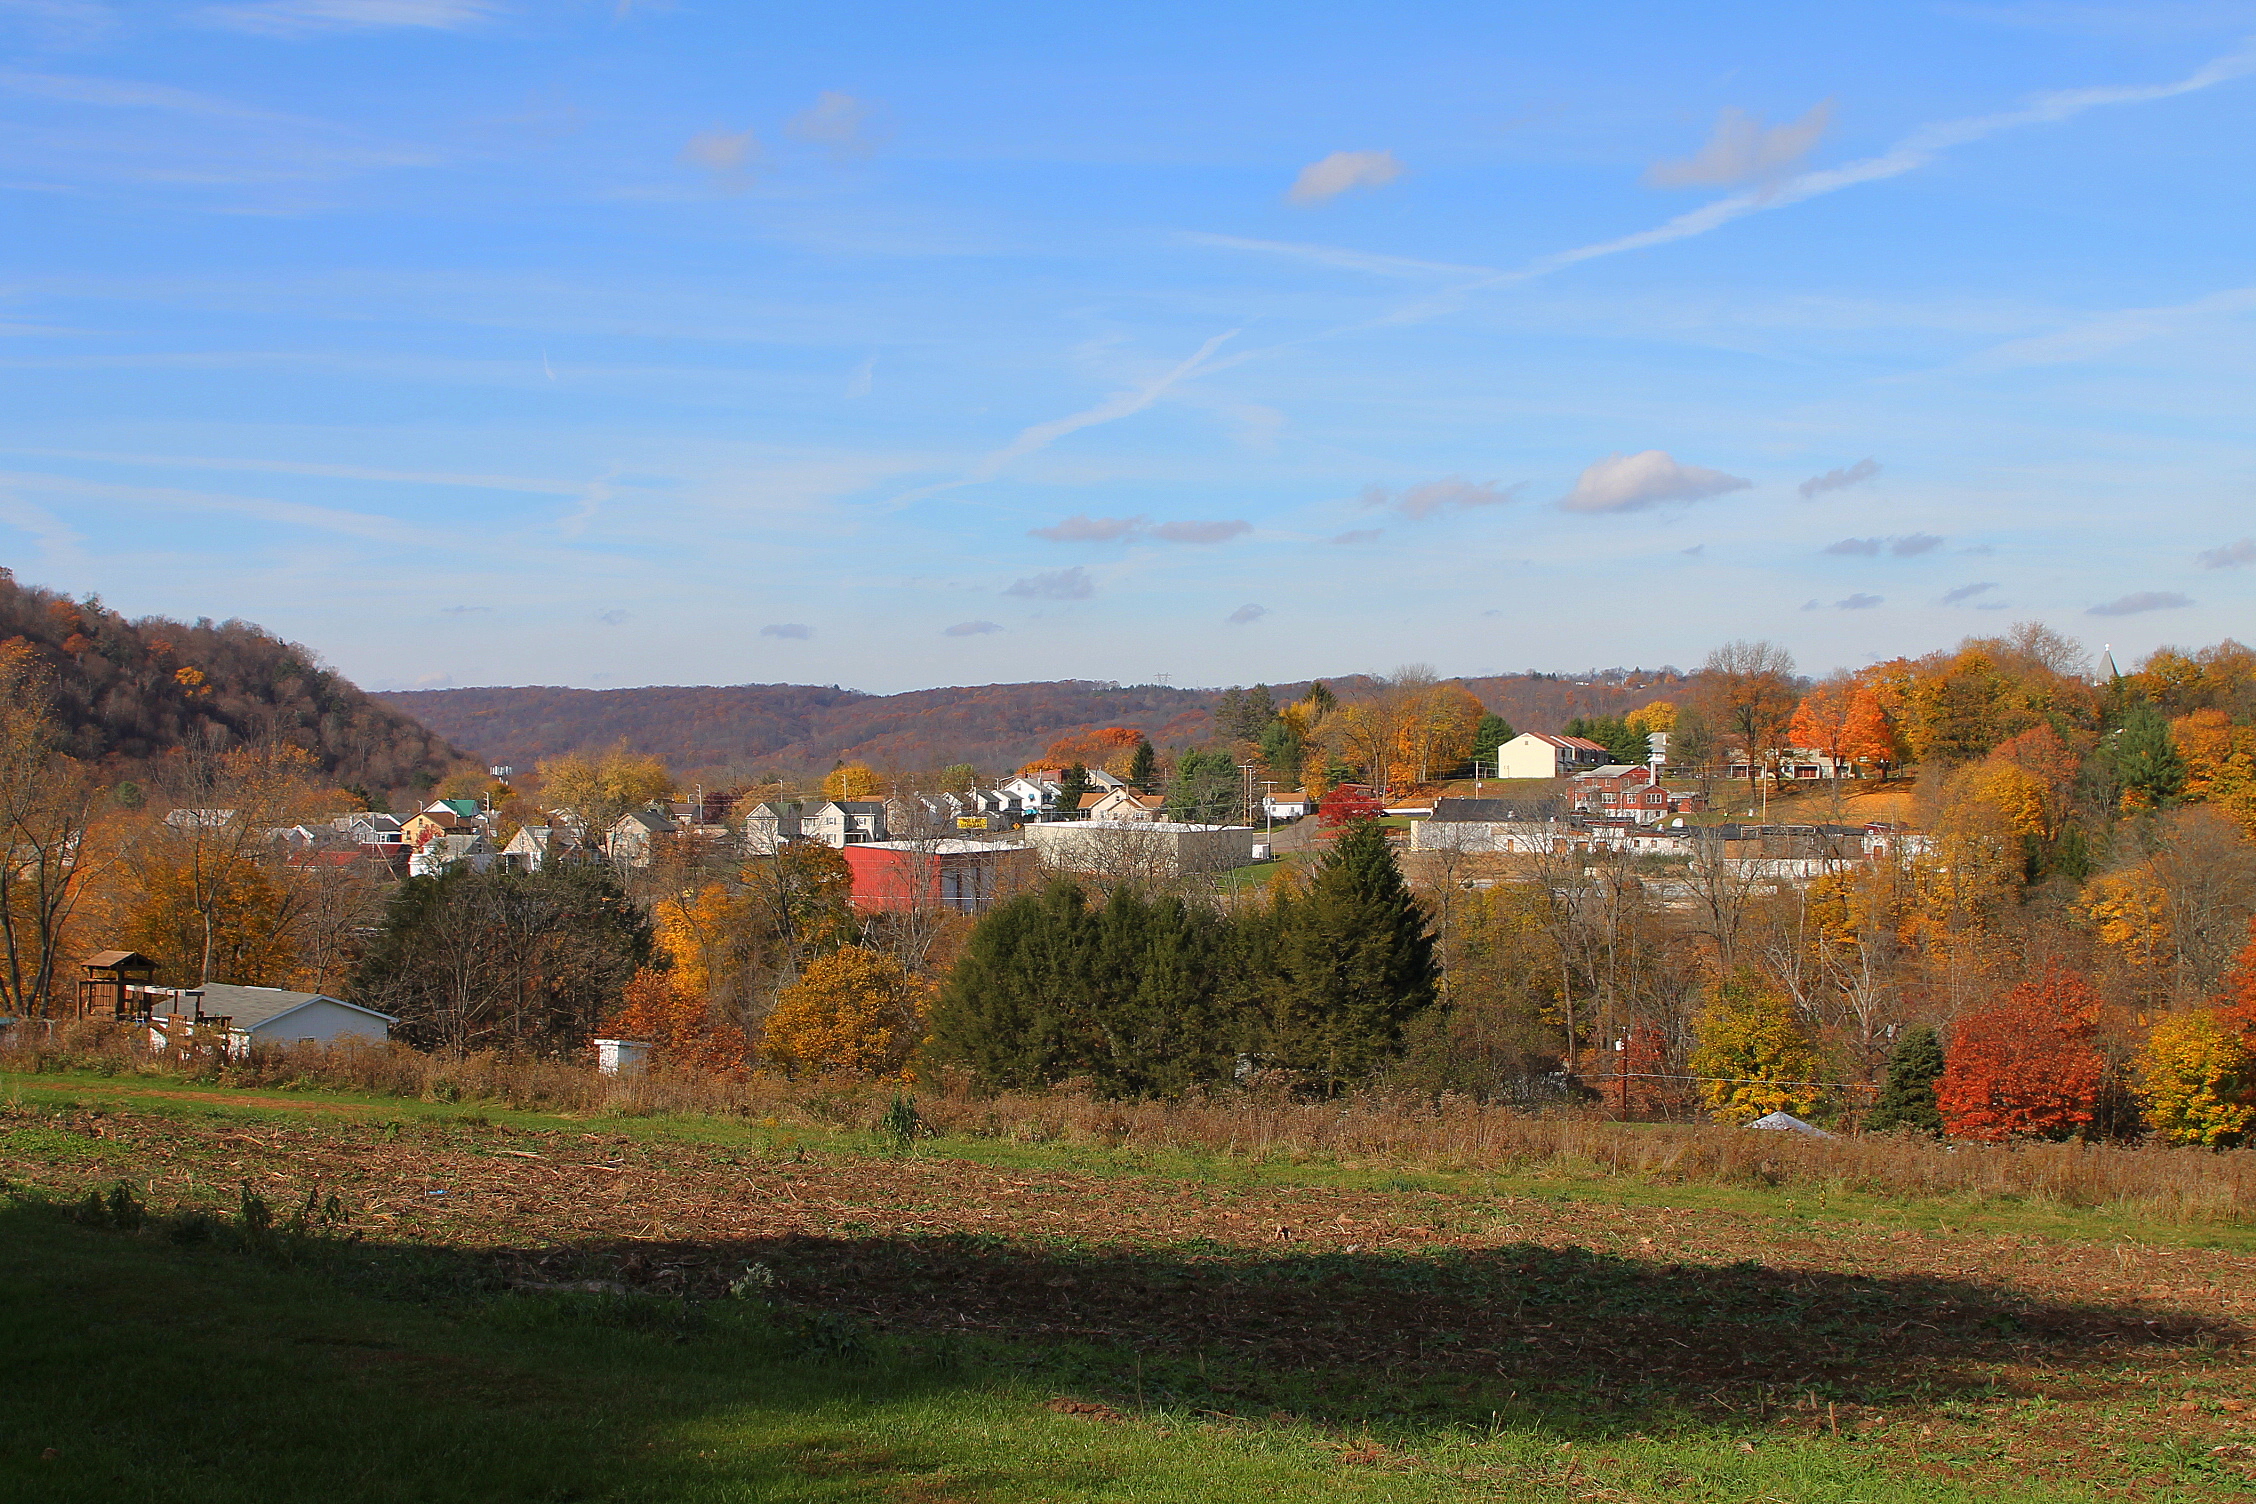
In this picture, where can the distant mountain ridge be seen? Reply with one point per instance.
(738, 731)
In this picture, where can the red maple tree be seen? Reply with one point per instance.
(678, 1025)
(1346, 805)
(2025, 1065)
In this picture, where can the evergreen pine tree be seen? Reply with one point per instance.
(1494, 731)
(1012, 1010)
(1143, 768)
(1354, 962)
(1283, 751)
(1908, 1100)
(1155, 1003)
(1071, 787)
(2144, 756)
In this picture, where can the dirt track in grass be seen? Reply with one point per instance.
(1966, 1355)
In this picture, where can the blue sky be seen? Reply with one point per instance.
(500, 341)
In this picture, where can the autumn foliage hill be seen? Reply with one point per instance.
(798, 728)
(126, 692)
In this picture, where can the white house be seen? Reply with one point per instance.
(1537, 754)
(1036, 796)
(272, 1015)
(535, 847)
(1290, 805)
(772, 825)
(1124, 803)
(443, 853)
(844, 822)
(632, 833)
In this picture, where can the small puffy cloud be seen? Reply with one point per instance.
(1966, 593)
(1633, 482)
(847, 126)
(1907, 546)
(1055, 585)
(1248, 613)
(728, 156)
(796, 631)
(1859, 602)
(1741, 149)
(1082, 529)
(464, 610)
(613, 618)
(1430, 497)
(1838, 480)
(2138, 601)
(302, 18)
(1322, 181)
(970, 629)
(1358, 535)
(2231, 556)
(1200, 532)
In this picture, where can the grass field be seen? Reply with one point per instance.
(517, 1305)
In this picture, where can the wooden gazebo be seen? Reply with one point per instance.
(115, 985)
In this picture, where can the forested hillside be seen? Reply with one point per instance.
(752, 728)
(126, 692)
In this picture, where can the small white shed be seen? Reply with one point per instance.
(617, 1056)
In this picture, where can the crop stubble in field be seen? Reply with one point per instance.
(1960, 1355)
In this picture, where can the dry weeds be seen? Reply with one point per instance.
(1371, 1130)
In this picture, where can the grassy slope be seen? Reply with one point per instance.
(160, 1372)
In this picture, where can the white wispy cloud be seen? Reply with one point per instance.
(2113, 331)
(1337, 257)
(1917, 150)
(2140, 601)
(1966, 593)
(1838, 480)
(795, 631)
(1741, 149)
(1120, 405)
(1358, 535)
(304, 18)
(1247, 613)
(1634, 482)
(970, 629)
(2233, 555)
(1085, 529)
(168, 500)
(1859, 602)
(847, 127)
(1452, 491)
(1321, 181)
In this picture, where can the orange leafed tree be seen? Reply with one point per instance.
(854, 1011)
(677, 1023)
(1099, 747)
(2025, 1066)
(1842, 718)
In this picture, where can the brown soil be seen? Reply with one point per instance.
(1967, 1355)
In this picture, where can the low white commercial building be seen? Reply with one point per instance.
(1142, 848)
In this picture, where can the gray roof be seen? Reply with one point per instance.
(1494, 810)
(251, 1006)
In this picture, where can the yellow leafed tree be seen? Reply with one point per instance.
(853, 1011)
(2220, 760)
(854, 780)
(2130, 912)
(2198, 1076)
(1754, 1053)
(601, 788)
